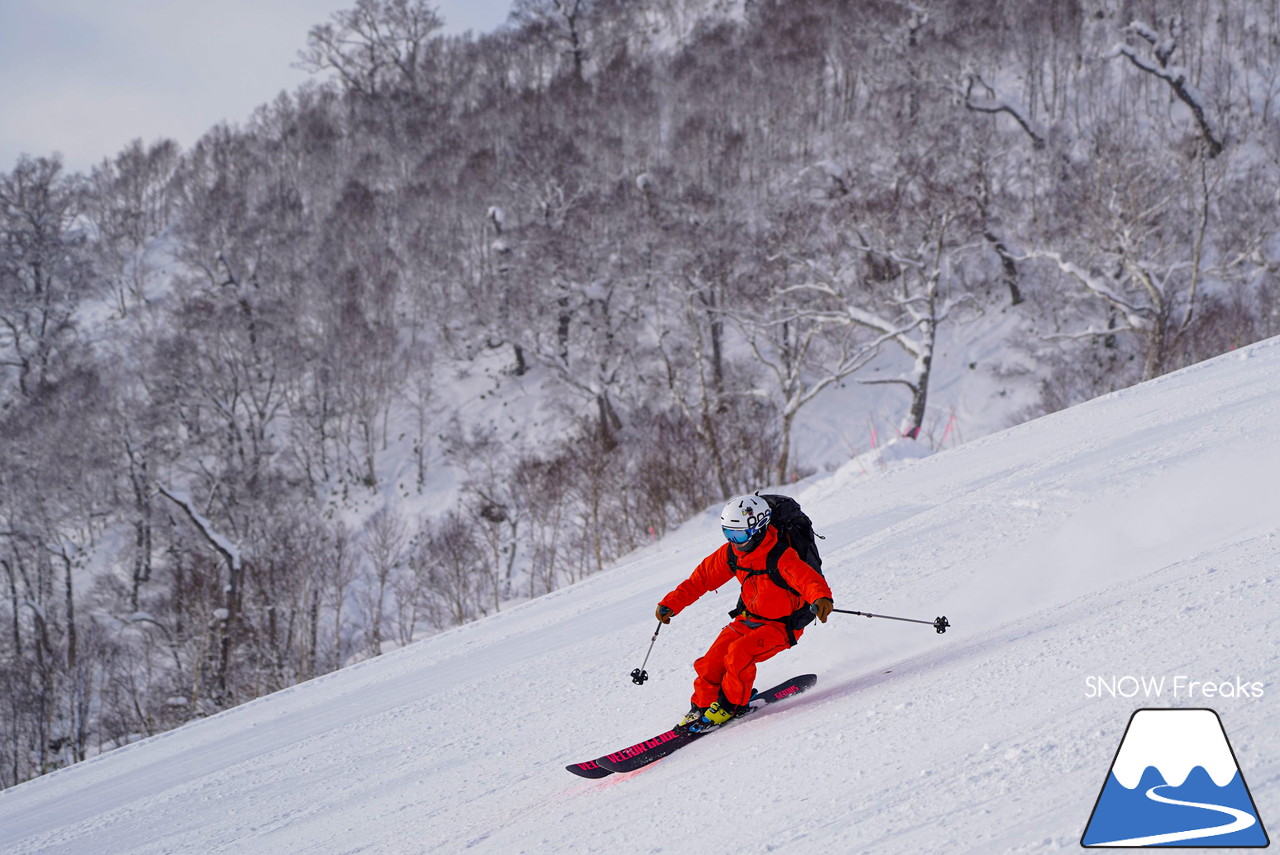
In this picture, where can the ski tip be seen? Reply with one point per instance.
(589, 769)
(794, 686)
(804, 681)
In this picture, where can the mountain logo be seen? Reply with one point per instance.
(1175, 782)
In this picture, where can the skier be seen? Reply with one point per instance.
(763, 628)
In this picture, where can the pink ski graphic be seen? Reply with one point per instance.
(643, 753)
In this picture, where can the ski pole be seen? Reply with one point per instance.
(639, 675)
(938, 623)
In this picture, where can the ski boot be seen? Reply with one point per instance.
(692, 716)
(715, 715)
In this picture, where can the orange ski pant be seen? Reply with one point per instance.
(729, 666)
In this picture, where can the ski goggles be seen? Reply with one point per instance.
(737, 535)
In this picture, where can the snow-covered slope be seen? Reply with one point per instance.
(1132, 537)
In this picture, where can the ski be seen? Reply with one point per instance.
(589, 769)
(644, 753)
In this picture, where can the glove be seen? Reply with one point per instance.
(822, 608)
(664, 613)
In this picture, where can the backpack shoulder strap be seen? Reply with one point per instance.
(771, 566)
(733, 562)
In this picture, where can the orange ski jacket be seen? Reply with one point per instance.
(760, 595)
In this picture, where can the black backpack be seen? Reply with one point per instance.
(795, 530)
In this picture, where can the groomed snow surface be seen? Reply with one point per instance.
(1135, 536)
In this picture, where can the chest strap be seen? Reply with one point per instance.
(797, 619)
(770, 566)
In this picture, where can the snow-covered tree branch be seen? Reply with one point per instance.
(1177, 77)
(991, 102)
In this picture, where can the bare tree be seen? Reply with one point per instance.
(44, 276)
(227, 616)
(384, 541)
(561, 23)
(1145, 246)
(794, 344)
(130, 204)
(907, 315)
(450, 557)
(378, 47)
(340, 576)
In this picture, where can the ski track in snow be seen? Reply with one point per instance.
(1137, 534)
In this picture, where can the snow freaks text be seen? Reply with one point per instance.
(1173, 688)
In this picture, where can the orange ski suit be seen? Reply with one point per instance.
(729, 665)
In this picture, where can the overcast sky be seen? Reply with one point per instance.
(84, 77)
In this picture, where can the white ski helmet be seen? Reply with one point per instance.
(744, 518)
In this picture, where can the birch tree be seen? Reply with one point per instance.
(1145, 247)
(916, 296)
(800, 350)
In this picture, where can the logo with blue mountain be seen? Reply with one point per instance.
(1175, 782)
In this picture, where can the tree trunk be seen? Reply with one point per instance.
(609, 422)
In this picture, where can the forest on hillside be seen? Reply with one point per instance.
(674, 222)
